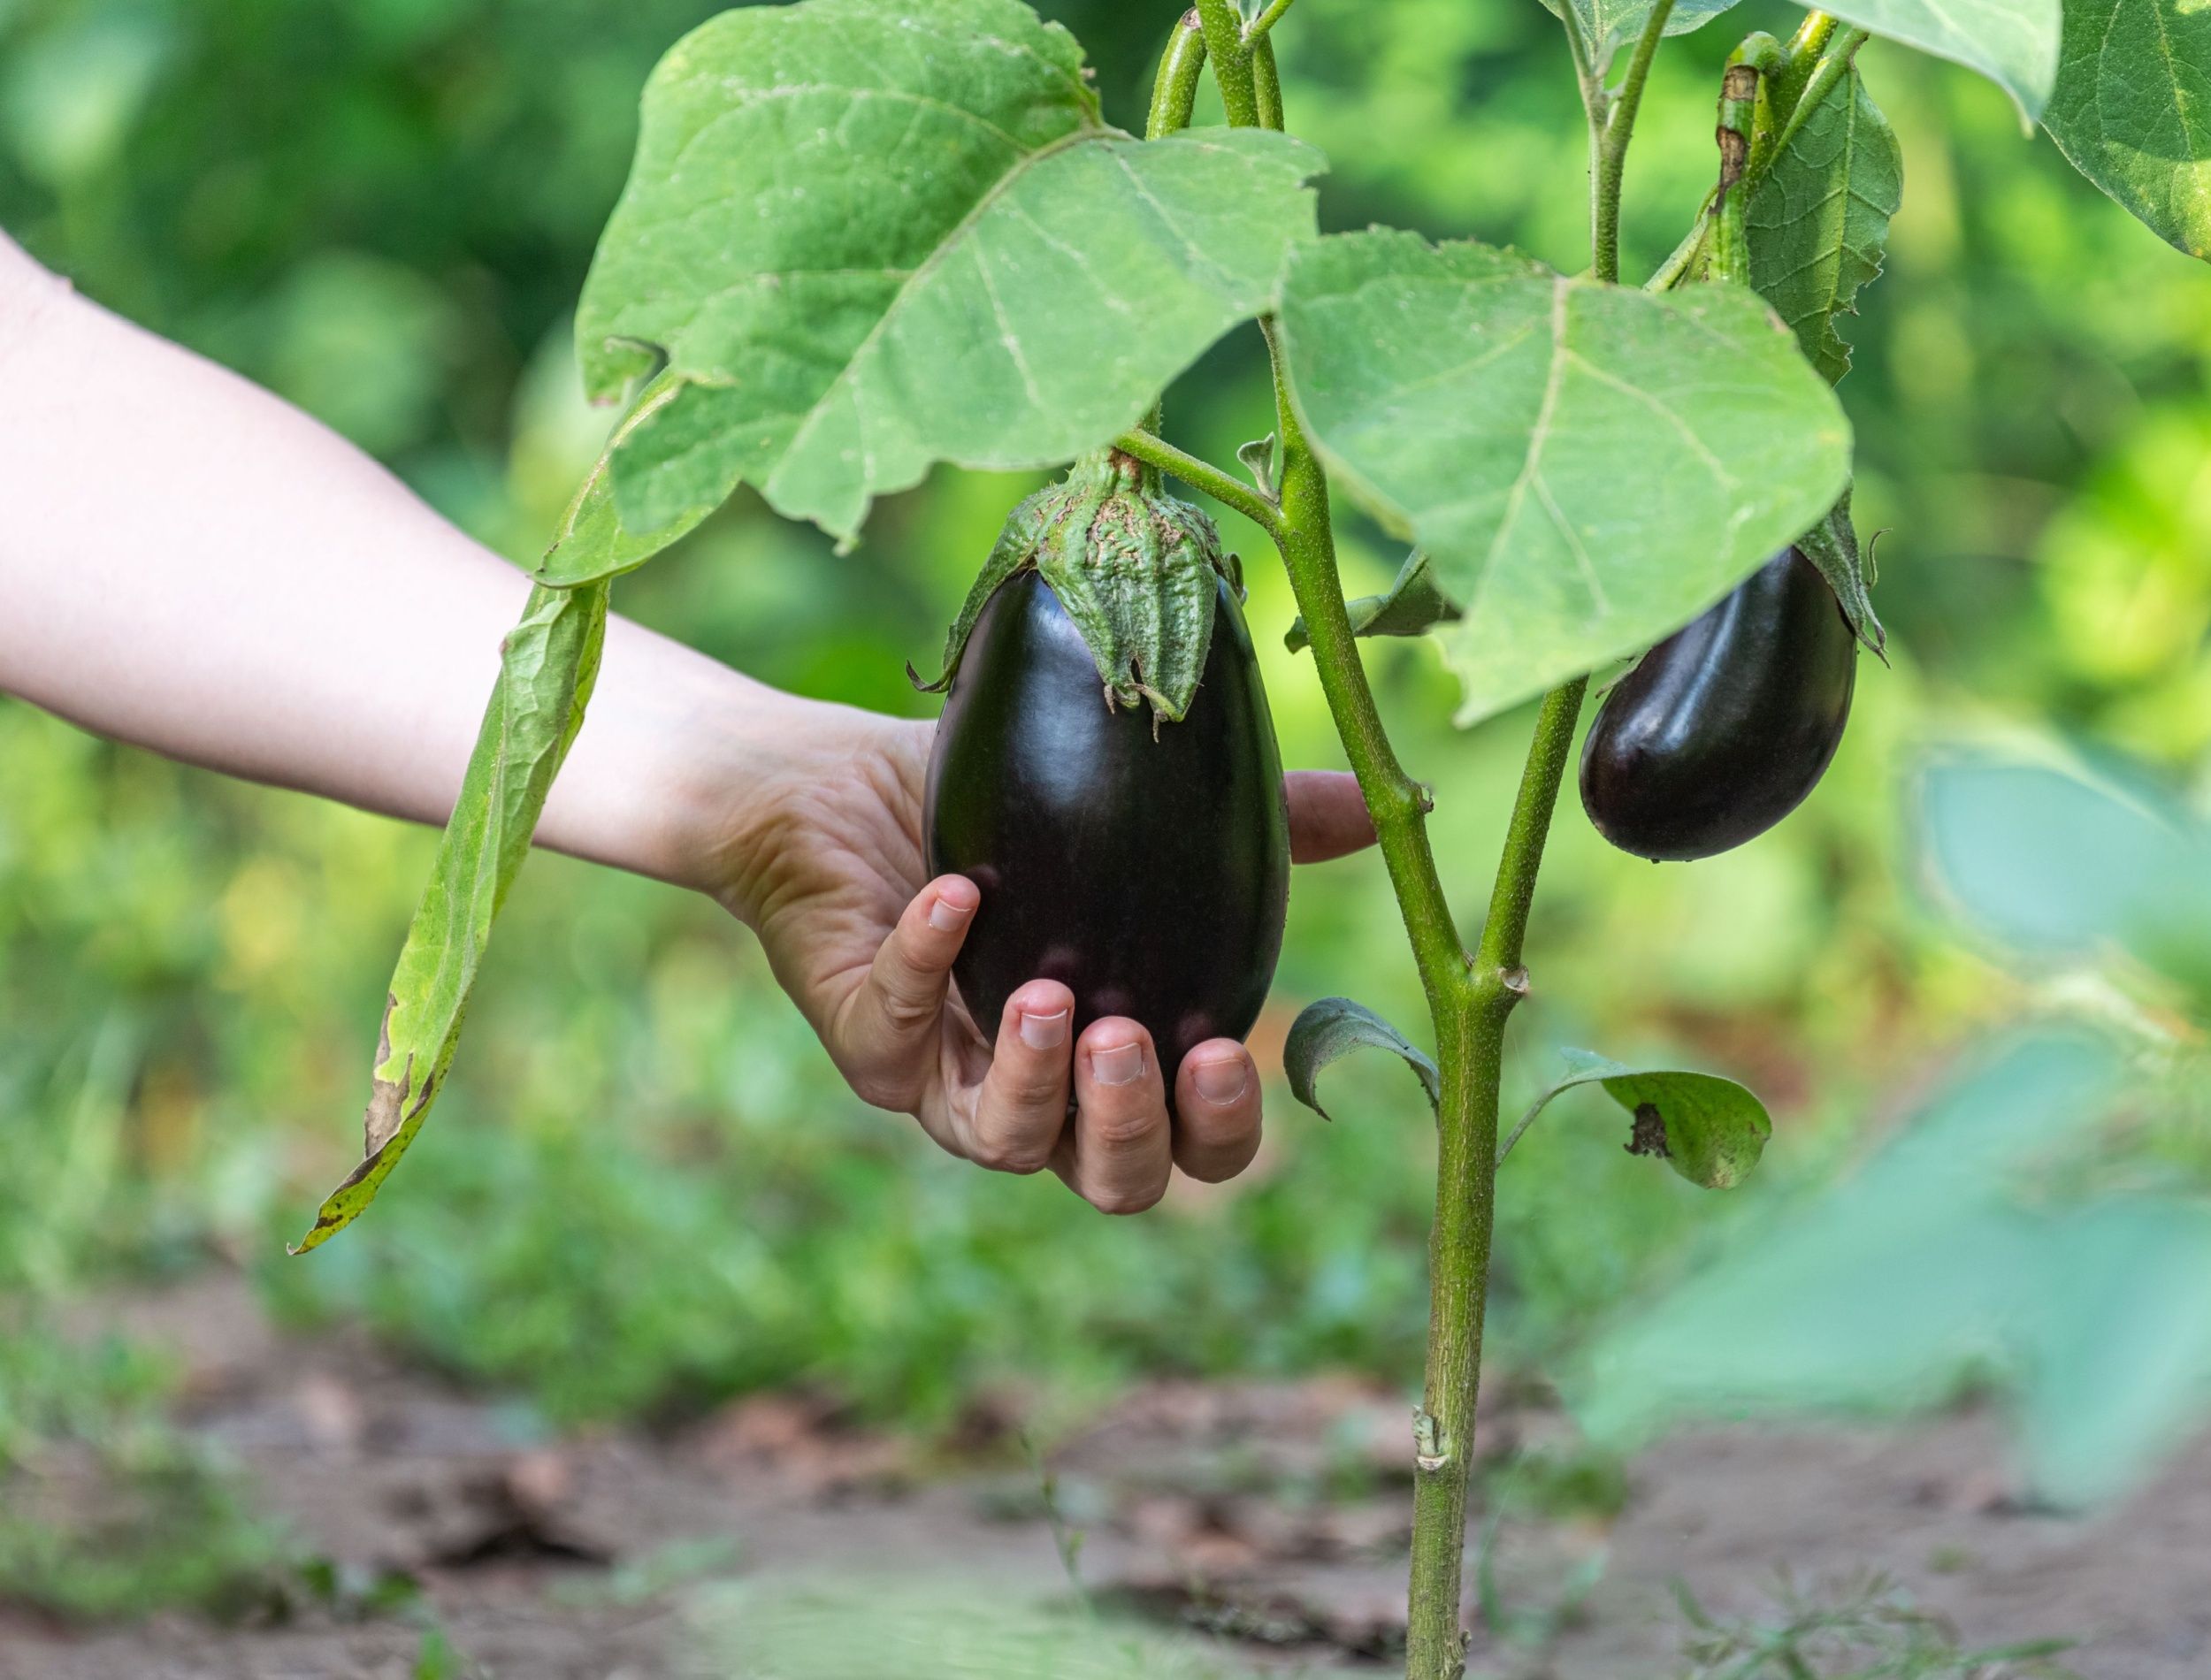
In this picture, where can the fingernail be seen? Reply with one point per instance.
(1044, 1032)
(1123, 1065)
(1221, 1083)
(945, 917)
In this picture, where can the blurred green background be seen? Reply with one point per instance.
(384, 211)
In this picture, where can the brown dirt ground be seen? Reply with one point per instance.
(1197, 1502)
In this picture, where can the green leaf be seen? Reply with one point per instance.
(1832, 545)
(592, 544)
(1605, 24)
(866, 236)
(2013, 42)
(1588, 467)
(1711, 1130)
(1331, 1030)
(1818, 223)
(1411, 606)
(2056, 861)
(547, 665)
(2132, 109)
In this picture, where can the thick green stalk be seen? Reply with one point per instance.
(1232, 61)
(1468, 1003)
(1470, 998)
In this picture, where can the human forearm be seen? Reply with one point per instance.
(191, 565)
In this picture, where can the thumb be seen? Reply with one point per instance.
(891, 1024)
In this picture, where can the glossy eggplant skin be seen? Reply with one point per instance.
(1726, 725)
(1150, 875)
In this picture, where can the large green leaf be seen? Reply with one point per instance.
(2013, 42)
(2132, 109)
(547, 665)
(866, 236)
(1818, 223)
(1709, 1129)
(1587, 467)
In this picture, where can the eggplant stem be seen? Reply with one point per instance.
(1224, 487)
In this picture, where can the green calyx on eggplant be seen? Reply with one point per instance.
(1133, 568)
(1142, 861)
(1727, 724)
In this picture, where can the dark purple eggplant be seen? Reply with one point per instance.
(1144, 863)
(1728, 724)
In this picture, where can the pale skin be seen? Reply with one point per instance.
(192, 566)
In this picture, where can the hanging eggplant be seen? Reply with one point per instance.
(1728, 724)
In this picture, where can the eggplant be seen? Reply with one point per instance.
(1727, 724)
(1144, 863)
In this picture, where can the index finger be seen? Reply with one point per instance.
(1328, 815)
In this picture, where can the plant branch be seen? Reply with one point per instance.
(1594, 104)
(1831, 66)
(1519, 1130)
(1268, 84)
(1398, 804)
(1174, 91)
(1500, 980)
(1231, 60)
(1609, 135)
(1267, 19)
(1224, 487)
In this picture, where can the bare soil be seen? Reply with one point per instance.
(1207, 1507)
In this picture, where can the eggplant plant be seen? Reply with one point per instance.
(862, 237)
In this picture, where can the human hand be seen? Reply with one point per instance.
(829, 868)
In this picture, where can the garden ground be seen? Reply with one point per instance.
(1264, 1521)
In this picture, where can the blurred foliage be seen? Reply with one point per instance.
(1863, 1629)
(2042, 1229)
(385, 212)
(106, 1509)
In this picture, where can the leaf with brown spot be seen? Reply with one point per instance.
(1708, 1129)
(548, 664)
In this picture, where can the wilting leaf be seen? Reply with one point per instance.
(1332, 1028)
(546, 668)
